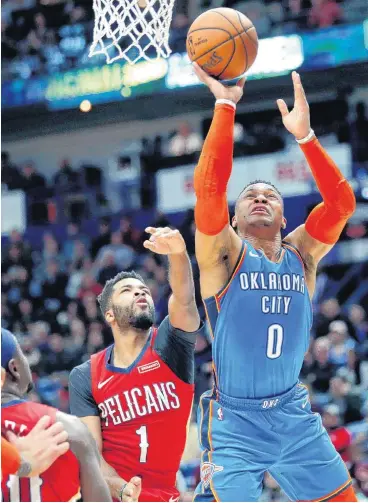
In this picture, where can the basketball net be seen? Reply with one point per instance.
(131, 29)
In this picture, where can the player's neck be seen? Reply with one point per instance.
(8, 395)
(270, 247)
(128, 345)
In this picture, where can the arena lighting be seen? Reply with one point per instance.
(143, 72)
(276, 56)
(85, 106)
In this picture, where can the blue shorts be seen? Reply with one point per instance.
(242, 439)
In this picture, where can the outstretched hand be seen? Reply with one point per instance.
(297, 122)
(164, 241)
(219, 90)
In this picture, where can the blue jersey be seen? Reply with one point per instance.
(260, 322)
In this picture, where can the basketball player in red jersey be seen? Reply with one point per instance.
(136, 396)
(75, 473)
(34, 453)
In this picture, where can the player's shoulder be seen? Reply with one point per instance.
(80, 372)
(29, 412)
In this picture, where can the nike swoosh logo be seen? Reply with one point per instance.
(254, 255)
(102, 384)
(174, 499)
(305, 403)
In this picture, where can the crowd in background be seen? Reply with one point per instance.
(44, 36)
(49, 301)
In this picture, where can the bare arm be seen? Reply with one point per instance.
(82, 444)
(217, 244)
(325, 223)
(183, 313)
(113, 480)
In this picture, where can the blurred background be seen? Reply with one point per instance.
(93, 153)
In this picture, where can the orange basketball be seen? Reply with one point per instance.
(223, 42)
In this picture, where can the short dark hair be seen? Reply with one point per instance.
(260, 181)
(105, 296)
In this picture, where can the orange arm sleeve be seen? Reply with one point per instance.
(327, 220)
(213, 171)
(10, 458)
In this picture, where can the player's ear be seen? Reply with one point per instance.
(284, 223)
(234, 222)
(13, 369)
(109, 316)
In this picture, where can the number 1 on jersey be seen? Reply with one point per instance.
(143, 444)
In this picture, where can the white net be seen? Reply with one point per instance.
(131, 29)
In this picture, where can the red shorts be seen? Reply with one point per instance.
(151, 494)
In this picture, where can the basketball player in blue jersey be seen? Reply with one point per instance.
(257, 290)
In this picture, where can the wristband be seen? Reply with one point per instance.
(307, 138)
(24, 469)
(121, 491)
(226, 102)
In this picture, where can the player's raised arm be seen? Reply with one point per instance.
(325, 223)
(93, 485)
(217, 244)
(183, 313)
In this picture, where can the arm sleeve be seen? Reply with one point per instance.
(81, 401)
(176, 349)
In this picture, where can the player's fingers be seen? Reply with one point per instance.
(55, 429)
(11, 437)
(137, 481)
(62, 448)
(202, 75)
(150, 230)
(241, 82)
(282, 107)
(150, 245)
(60, 437)
(299, 93)
(41, 424)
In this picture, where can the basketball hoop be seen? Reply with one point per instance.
(131, 29)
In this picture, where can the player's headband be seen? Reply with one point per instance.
(8, 347)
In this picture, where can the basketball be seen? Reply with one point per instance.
(223, 42)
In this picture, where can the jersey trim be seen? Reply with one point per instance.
(13, 402)
(126, 370)
(296, 252)
(239, 262)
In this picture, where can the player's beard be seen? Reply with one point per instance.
(127, 317)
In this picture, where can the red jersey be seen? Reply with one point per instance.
(144, 409)
(60, 482)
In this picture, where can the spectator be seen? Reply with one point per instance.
(348, 401)
(321, 369)
(108, 268)
(324, 13)
(340, 436)
(124, 255)
(53, 287)
(330, 311)
(357, 317)
(65, 178)
(10, 175)
(89, 286)
(73, 235)
(27, 315)
(58, 359)
(340, 341)
(103, 238)
(31, 179)
(125, 227)
(185, 141)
